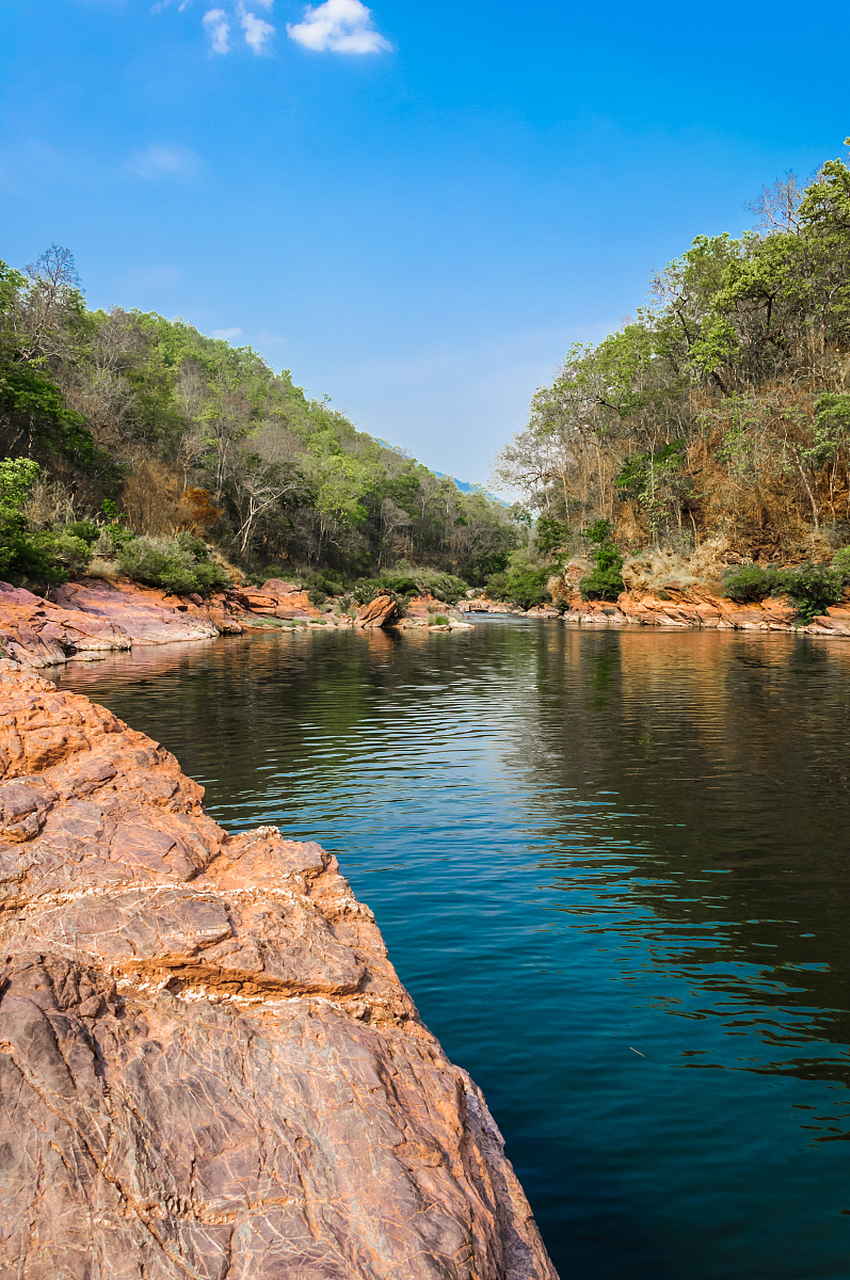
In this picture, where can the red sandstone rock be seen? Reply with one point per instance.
(277, 587)
(144, 614)
(208, 1066)
(380, 612)
(704, 610)
(39, 633)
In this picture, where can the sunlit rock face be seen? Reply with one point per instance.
(208, 1067)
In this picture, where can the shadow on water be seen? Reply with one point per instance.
(612, 867)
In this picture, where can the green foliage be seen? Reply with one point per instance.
(70, 553)
(27, 557)
(437, 620)
(750, 583)
(550, 534)
(179, 565)
(324, 582)
(812, 589)
(17, 476)
(606, 580)
(172, 413)
(522, 583)
(651, 479)
(841, 563)
(84, 529)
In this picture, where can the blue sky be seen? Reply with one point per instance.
(414, 207)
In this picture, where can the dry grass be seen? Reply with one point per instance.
(105, 569)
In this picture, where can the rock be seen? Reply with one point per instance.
(381, 612)
(38, 633)
(277, 587)
(145, 615)
(208, 1066)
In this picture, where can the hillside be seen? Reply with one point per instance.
(176, 432)
(715, 425)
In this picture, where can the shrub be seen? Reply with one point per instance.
(520, 584)
(316, 597)
(606, 581)
(414, 580)
(750, 583)
(84, 529)
(27, 558)
(438, 620)
(812, 588)
(178, 565)
(327, 582)
(841, 563)
(70, 552)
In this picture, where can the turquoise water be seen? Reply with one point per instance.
(613, 869)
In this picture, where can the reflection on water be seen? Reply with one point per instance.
(613, 869)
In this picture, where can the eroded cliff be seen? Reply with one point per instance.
(208, 1067)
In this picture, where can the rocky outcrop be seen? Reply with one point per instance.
(208, 1067)
(88, 618)
(380, 612)
(701, 609)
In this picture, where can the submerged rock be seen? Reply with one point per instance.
(208, 1066)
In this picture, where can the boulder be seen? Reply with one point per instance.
(277, 587)
(380, 612)
(208, 1065)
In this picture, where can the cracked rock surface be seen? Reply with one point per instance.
(208, 1067)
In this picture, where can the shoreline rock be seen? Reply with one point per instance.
(207, 1062)
(702, 610)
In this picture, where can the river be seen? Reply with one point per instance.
(613, 869)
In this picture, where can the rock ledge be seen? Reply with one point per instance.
(208, 1067)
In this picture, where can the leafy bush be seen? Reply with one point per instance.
(400, 588)
(316, 597)
(521, 584)
(83, 529)
(750, 583)
(438, 620)
(65, 550)
(179, 565)
(606, 581)
(812, 588)
(327, 582)
(27, 558)
(414, 580)
(841, 563)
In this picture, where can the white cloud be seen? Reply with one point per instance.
(165, 162)
(227, 334)
(257, 31)
(342, 26)
(218, 28)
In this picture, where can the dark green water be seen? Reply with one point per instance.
(579, 845)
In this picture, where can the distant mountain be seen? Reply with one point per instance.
(466, 487)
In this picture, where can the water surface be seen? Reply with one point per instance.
(613, 869)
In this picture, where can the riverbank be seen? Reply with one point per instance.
(85, 620)
(207, 1060)
(692, 609)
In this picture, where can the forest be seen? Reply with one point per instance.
(717, 419)
(133, 429)
(713, 426)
